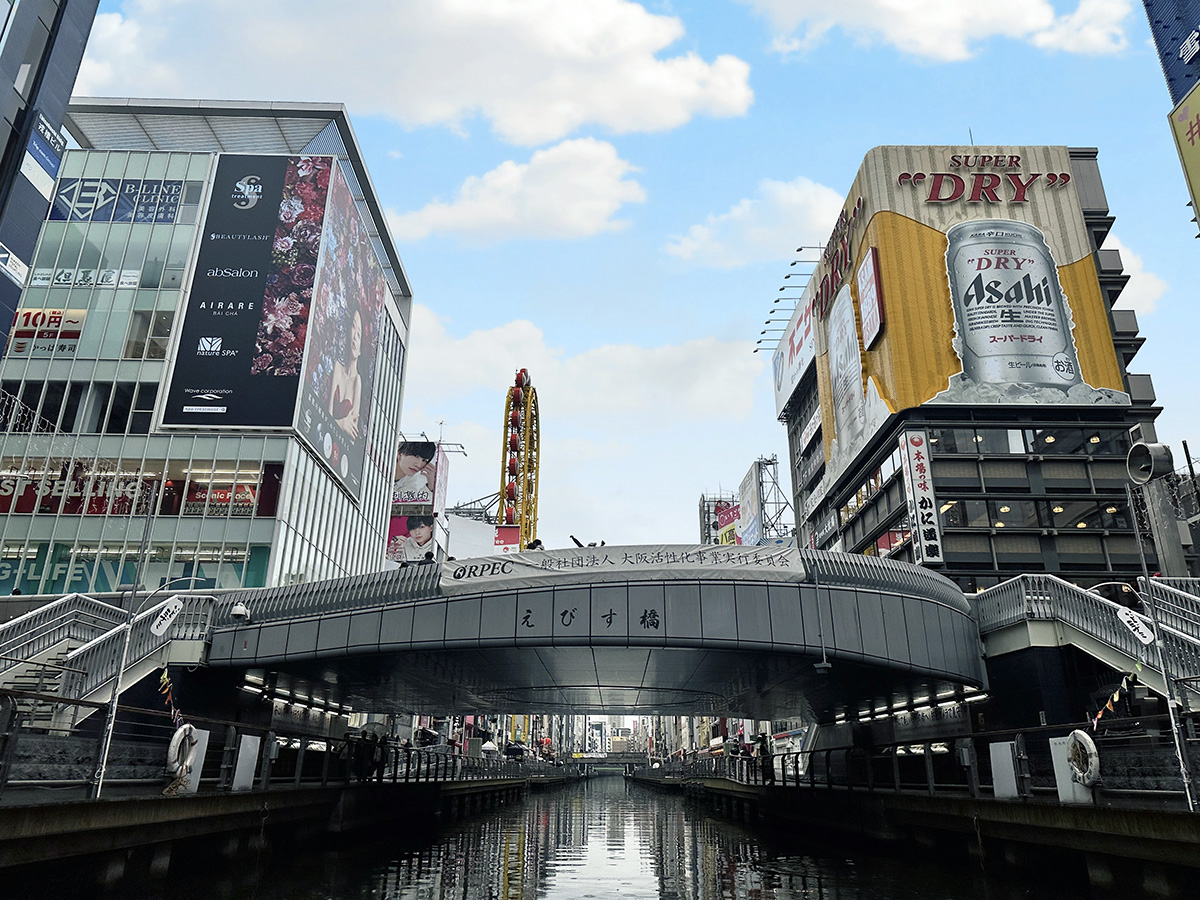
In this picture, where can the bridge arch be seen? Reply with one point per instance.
(756, 631)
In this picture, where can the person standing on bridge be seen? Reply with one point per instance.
(766, 759)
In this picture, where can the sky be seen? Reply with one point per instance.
(610, 193)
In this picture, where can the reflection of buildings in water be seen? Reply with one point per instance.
(560, 846)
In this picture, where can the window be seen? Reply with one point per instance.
(953, 440)
(122, 405)
(1016, 514)
(1075, 515)
(965, 514)
(148, 335)
(143, 408)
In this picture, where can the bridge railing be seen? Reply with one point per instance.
(43, 765)
(1138, 765)
(1049, 598)
(1174, 606)
(416, 581)
(72, 618)
(95, 663)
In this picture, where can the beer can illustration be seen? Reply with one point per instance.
(1011, 319)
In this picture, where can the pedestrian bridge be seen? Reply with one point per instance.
(766, 632)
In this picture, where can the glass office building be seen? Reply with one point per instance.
(137, 430)
(41, 45)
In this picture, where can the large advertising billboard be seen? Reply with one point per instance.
(1185, 128)
(1175, 26)
(418, 497)
(343, 334)
(749, 522)
(241, 345)
(954, 275)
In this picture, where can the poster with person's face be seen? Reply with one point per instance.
(415, 482)
(410, 539)
(343, 330)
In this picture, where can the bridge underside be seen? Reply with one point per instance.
(612, 680)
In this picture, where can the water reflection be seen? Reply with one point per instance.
(599, 840)
(609, 839)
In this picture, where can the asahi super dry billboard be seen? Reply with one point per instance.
(953, 276)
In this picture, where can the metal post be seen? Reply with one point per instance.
(1148, 602)
(110, 720)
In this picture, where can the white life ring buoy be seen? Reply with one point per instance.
(1083, 758)
(181, 755)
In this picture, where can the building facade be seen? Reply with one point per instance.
(953, 380)
(41, 45)
(203, 384)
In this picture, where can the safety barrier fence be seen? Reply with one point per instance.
(41, 765)
(1135, 759)
(1049, 598)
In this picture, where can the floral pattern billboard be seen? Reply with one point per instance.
(241, 347)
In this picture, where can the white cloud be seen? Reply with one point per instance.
(537, 70)
(622, 426)
(945, 30)
(782, 216)
(1144, 289)
(1094, 28)
(570, 190)
(702, 381)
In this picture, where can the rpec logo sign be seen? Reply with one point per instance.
(247, 192)
(484, 570)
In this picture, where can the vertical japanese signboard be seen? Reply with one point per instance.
(924, 526)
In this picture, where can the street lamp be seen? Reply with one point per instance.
(110, 719)
(1146, 463)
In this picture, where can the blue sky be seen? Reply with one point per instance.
(610, 194)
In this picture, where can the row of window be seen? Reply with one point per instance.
(135, 487)
(1066, 513)
(871, 486)
(77, 407)
(1070, 441)
(59, 568)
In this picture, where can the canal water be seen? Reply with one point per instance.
(602, 839)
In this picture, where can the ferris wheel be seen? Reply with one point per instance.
(519, 459)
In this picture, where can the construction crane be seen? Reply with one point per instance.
(519, 460)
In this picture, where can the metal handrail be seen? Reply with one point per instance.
(74, 617)
(99, 657)
(1175, 607)
(908, 765)
(1049, 598)
(416, 581)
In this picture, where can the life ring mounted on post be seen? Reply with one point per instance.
(181, 755)
(1083, 758)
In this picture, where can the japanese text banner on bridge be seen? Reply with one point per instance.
(539, 568)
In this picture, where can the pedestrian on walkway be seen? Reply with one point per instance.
(766, 759)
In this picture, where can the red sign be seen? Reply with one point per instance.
(508, 538)
(99, 496)
(219, 499)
